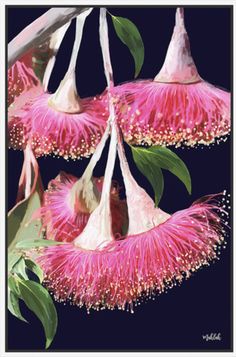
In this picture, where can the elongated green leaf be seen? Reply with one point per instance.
(13, 285)
(151, 160)
(29, 244)
(19, 269)
(35, 268)
(130, 36)
(172, 162)
(13, 297)
(13, 258)
(13, 305)
(151, 171)
(38, 300)
(14, 220)
(20, 224)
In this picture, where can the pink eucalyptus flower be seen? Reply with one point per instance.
(139, 265)
(159, 251)
(61, 123)
(178, 106)
(53, 129)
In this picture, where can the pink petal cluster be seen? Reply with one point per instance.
(157, 252)
(54, 132)
(21, 79)
(172, 114)
(136, 266)
(23, 88)
(177, 106)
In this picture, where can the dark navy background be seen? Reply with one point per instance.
(176, 320)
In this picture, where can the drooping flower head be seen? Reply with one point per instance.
(178, 106)
(62, 123)
(158, 252)
(59, 133)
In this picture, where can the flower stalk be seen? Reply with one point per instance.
(98, 231)
(84, 187)
(66, 98)
(139, 203)
(54, 44)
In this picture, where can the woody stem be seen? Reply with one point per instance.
(40, 30)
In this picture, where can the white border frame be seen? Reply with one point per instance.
(3, 3)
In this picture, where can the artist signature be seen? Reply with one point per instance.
(212, 336)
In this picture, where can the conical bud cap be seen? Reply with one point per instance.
(66, 98)
(178, 66)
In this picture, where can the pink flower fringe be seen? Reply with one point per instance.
(61, 222)
(63, 134)
(136, 266)
(156, 113)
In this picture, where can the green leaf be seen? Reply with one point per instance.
(130, 36)
(29, 244)
(20, 225)
(173, 163)
(13, 297)
(35, 268)
(14, 220)
(13, 305)
(13, 258)
(38, 300)
(13, 285)
(19, 269)
(151, 171)
(151, 160)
